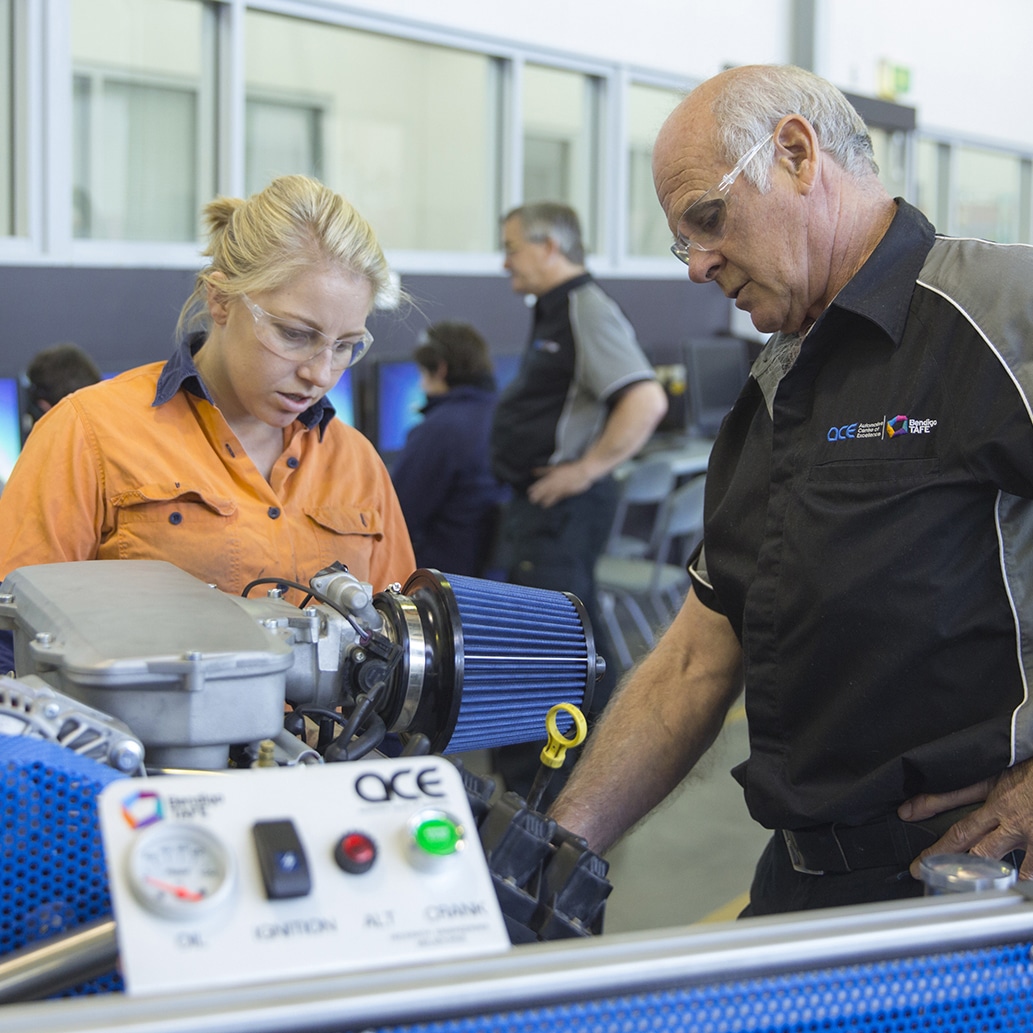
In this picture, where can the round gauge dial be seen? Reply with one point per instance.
(180, 871)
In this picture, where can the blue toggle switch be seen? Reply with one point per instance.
(282, 859)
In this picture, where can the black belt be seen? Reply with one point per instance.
(848, 848)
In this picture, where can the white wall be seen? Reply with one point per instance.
(670, 35)
(969, 61)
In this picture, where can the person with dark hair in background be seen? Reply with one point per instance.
(443, 476)
(53, 373)
(585, 400)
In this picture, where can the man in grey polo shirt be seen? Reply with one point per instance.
(585, 400)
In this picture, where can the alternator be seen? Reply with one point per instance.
(30, 707)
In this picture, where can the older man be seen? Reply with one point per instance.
(867, 516)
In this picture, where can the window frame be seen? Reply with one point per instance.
(42, 111)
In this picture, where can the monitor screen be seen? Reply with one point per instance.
(399, 401)
(342, 397)
(506, 367)
(10, 426)
(717, 368)
(400, 397)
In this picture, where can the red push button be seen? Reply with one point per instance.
(355, 853)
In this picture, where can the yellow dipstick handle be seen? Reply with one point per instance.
(555, 749)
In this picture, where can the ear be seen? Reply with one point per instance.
(217, 301)
(552, 249)
(797, 151)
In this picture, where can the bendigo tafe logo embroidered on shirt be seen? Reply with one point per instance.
(906, 425)
(887, 427)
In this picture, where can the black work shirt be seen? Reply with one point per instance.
(869, 536)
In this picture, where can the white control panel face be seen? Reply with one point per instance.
(278, 873)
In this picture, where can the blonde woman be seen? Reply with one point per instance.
(226, 460)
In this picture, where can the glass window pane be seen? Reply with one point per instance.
(282, 138)
(648, 108)
(12, 216)
(7, 142)
(406, 131)
(988, 191)
(932, 169)
(136, 115)
(891, 155)
(561, 148)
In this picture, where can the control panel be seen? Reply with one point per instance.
(275, 873)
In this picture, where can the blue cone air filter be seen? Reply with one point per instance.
(54, 877)
(495, 658)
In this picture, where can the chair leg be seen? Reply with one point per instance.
(631, 604)
(608, 606)
(667, 602)
(676, 597)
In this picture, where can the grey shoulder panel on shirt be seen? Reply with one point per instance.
(990, 285)
(609, 356)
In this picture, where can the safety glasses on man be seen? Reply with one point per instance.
(702, 225)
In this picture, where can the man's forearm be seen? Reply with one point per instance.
(661, 721)
(628, 427)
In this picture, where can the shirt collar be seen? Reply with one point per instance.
(879, 291)
(556, 298)
(181, 372)
(882, 288)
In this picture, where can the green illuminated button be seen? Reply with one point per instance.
(435, 834)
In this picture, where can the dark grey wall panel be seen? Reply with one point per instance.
(662, 311)
(124, 317)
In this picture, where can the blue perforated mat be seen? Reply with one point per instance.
(964, 991)
(53, 877)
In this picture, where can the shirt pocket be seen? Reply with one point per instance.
(346, 534)
(846, 498)
(195, 531)
(888, 472)
(849, 531)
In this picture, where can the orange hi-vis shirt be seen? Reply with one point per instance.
(114, 472)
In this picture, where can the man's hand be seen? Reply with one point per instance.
(559, 482)
(1003, 823)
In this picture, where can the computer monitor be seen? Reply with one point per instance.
(342, 397)
(10, 425)
(506, 368)
(716, 369)
(399, 399)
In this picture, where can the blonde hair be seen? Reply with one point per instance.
(266, 241)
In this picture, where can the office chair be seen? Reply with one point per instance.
(646, 483)
(633, 581)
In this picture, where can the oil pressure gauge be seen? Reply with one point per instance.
(180, 871)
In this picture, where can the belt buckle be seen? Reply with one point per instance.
(795, 855)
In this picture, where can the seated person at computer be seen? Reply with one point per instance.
(226, 460)
(443, 477)
(53, 373)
